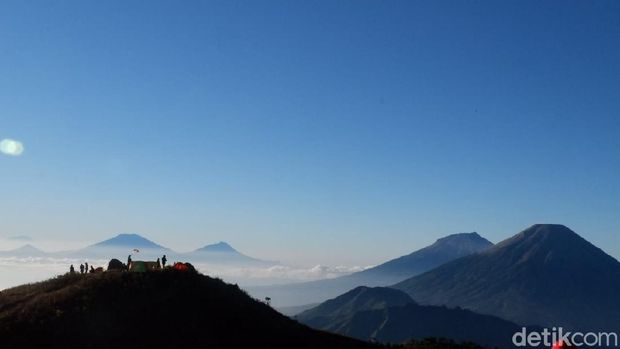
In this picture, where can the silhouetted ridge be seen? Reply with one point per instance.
(166, 309)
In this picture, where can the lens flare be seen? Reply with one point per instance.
(11, 147)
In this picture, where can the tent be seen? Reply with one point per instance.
(116, 265)
(180, 266)
(137, 267)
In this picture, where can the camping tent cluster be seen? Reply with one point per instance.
(146, 266)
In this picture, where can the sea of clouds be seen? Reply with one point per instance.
(15, 271)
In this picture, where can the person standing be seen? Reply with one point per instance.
(86, 267)
(81, 268)
(128, 262)
(71, 269)
(163, 261)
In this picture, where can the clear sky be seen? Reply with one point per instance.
(335, 132)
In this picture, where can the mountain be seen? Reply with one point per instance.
(167, 309)
(24, 251)
(220, 247)
(443, 250)
(390, 315)
(128, 241)
(546, 275)
(120, 247)
(223, 254)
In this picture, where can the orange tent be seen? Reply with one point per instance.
(180, 266)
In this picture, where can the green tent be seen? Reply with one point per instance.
(138, 267)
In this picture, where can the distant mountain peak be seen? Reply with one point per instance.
(27, 248)
(547, 236)
(466, 243)
(461, 237)
(130, 241)
(218, 247)
(549, 229)
(128, 234)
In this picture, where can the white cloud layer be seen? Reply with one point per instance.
(19, 270)
(277, 274)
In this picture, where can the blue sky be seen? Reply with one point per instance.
(329, 132)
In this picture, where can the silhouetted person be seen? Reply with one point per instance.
(92, 270)
(128, 262)
(158, 264)
(71, 269)
(81, 268)
(163, 261)
(86, 267)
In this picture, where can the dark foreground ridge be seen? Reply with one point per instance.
(167, 309)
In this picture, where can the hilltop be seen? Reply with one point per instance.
(164, 309)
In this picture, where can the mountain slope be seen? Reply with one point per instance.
(333, 314)
(545, 275)
(443, 250)
(167, 309)
(390, 315)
